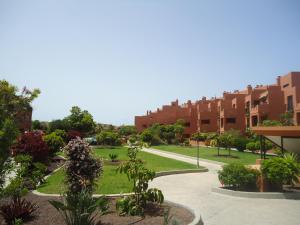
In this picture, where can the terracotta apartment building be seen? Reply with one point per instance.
(234, 110)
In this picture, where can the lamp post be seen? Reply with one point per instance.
(197, 152)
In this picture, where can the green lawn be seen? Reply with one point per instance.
(211, 154)
(111, 182)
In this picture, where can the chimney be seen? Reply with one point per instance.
(278, 80)
(249, 88)
(203, 98)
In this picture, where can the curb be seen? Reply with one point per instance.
(197, 217)
(262, 195)
(174, 172)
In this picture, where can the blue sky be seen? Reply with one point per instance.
(118, 59)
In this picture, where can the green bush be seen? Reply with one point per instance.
(240, 143)
(108, 138)
(140, 177)
(281, 171)
(113, 157)
(238, 176)
(54, 142)
(80, 208)
(251, 146)
(61, 133)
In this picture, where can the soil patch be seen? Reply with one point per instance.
(48, 215)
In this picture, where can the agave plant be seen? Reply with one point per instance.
(80, 208)
(17, 209)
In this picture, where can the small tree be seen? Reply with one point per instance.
(54, 142)
(140, 177)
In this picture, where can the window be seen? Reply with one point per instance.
(234, 106)
(205, 121)
(144, 126)
(230, 120)
(286, 85)
(290, 106)
(187, 124)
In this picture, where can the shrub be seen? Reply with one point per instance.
(280, 171)
(147, 136)
(251, 146)
(113, 157)
(240, 143)
(140, 177)
(81, 168)
(32, 143)
(207, 142)
(80, 208)
(108, 138)
(31, 173)
(16, 209)
(238, 176)
(61, 133)
(54, 142)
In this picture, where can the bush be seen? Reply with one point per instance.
(108, 138)
(251, 146)
(240, 143)
(81, 168)
(16, 209)
(140, 177)
(80, 208)
(61, 133)
(113, 157)
(147, 136)
(238, 176)
(279, 171)
(54, 142)
(32, 143)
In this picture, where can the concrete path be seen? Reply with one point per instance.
(194, 191)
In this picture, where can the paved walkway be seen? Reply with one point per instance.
(194, 191)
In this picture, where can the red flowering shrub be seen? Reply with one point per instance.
(73, 134)
(32, 143)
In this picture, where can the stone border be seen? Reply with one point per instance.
(174, 172)
(197, 217)
(263, 195)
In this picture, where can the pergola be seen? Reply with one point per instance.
(286, 137)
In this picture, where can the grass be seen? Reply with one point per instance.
(112, 182)
(211, 154)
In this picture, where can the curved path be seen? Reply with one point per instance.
(194, 191)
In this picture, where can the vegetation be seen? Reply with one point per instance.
(279, 171)
(32, 143)
(127, 130)
(158, 134)
(212, 154)
(78, 206)
(55, 142)
(238, 176)
(108, 138)
(140, 176)
(11, 104)
(112, 182)
(82, 168)
(113, 157)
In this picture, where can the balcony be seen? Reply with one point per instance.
(260, 109)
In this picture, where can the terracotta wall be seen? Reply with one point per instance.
(230, 111)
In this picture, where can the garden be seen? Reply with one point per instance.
(76, 171)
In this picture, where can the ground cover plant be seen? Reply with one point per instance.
(211, 154)
(111, 181)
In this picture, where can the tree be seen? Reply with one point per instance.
(81, 121)
(127, 130)
(11, 103)
(58, 125)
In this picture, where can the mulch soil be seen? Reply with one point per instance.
(154, 214)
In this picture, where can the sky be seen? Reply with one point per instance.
(118, 59)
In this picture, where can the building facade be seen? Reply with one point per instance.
(237, 110)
